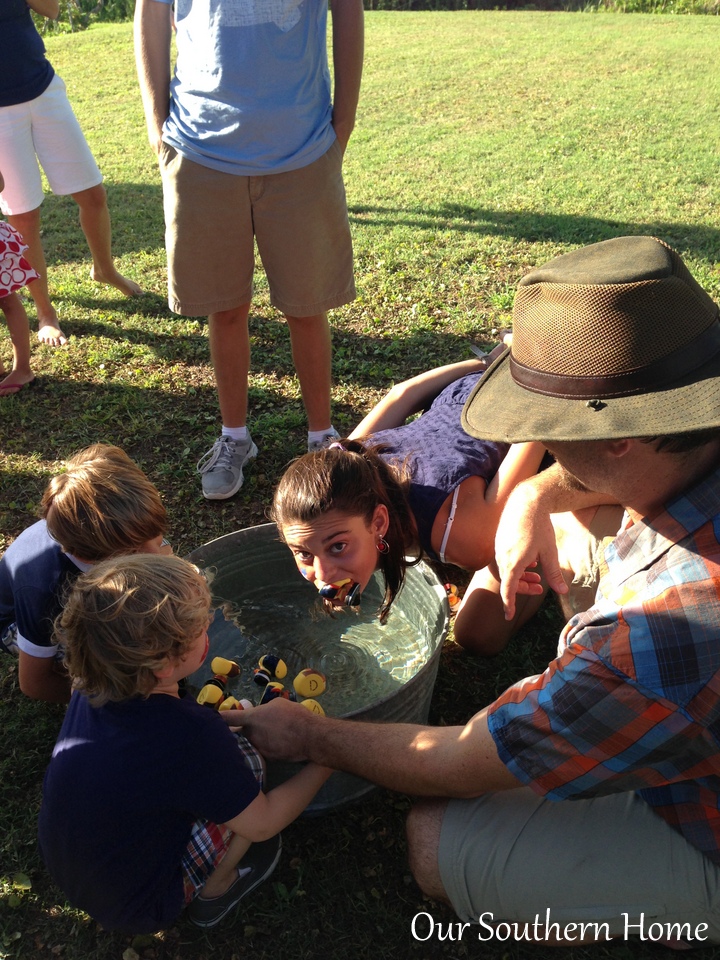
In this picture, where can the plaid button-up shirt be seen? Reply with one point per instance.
(632, 701)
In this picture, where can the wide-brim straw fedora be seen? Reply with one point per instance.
(613, 340)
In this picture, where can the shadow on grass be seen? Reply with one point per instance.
(136, 211)
(532, 226)
(137, 216)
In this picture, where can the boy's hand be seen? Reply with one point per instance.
(277, 728)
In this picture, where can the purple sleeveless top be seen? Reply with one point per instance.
(438, 455)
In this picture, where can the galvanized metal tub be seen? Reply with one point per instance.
(252, 568)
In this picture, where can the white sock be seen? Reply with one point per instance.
(235, 433)
(316, 436)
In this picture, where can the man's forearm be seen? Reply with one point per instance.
(348, 53)
(559, 492)
(420, 760)
(153, 32)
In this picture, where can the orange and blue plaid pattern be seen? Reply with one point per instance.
(632, 701)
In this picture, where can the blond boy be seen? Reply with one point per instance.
(148, 803)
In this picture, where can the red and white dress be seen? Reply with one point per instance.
(15, 271)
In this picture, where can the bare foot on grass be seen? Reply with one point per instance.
(116, 279)
(49, 332)
(14, 382)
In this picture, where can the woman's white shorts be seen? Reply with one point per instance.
(43, 132)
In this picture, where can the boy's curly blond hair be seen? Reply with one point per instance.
(102, 505)
(127, 617)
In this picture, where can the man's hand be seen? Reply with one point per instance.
(277, 728)
(525, 537)
(342, 132)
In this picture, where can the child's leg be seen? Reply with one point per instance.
(225, 872)
(28, 225)
(95, 223)
(17, 322)
(480, 625)
(214, 852)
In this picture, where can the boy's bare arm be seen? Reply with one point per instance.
(269, 813)
(43, 678)
(348, 51)
(153, 31)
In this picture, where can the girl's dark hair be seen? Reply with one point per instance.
(354, 479)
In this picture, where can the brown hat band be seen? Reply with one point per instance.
(660, 373)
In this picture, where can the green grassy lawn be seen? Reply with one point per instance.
(486, 143)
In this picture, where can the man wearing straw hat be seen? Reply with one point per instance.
(615, 365)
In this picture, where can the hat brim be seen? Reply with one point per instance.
(500, 410)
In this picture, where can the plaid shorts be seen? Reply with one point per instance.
(8, 640)
(209, 841)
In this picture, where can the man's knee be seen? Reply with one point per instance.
(423, 828)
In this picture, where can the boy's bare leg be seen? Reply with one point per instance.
(17, 322)
(95, 223)
(225, 874)
(230, 353)
(28, 224)
(311, 343)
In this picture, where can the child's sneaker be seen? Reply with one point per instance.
(261, 858)
(325, 441)
(222, 467)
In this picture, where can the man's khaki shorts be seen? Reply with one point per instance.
(299, 220)
(513, 856)
(581, 549)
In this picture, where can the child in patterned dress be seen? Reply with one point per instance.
(15, 273)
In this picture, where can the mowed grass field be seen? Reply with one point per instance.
(486, 143)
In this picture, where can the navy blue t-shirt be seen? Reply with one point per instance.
(125, 784)
(438, 455)
(34, 576)
(25, 72)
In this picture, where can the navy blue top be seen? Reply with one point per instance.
(438, 455)
(125, 785)
(34, 574)
(25, 71)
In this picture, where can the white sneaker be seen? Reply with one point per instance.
(222, 467)
(330, 437)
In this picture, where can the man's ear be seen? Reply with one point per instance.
(620, 448)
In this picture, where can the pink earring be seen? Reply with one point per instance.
(382, 546)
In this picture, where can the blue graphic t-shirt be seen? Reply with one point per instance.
(251, 91)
